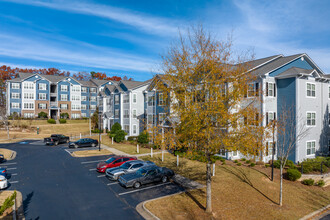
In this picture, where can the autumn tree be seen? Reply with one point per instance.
(207, 86)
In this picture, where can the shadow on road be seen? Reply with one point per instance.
(27, 201)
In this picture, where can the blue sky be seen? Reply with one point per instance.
(127, 37)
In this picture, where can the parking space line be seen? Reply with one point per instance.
(92, 169)
(92, 161)
(5, 164)
(112, 183)
(68, 151)
(101, 176)
(137, 190)
(14, 168)
(13, 174)
(13, 182)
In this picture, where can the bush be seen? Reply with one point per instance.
(252, 164)
(239, 164)
(308, 182)
(143, 138)
(116, 127)
(9, 202)
(320, 183)
(42, 115)
(119, 136)
(293, 174)
(132, 138)
(96, 130)
(51, 121)
(235, 161)
(290, 164)
(243, 159)
(64, 115)
(248, 161)
(267, 165)
(62, 121)
(277, 164)
(310, 165)
(216, 158)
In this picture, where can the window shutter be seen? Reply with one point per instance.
(274, 116)
(257, 89)
(274, 90)
(245, 91)
(266, 88)
(266, 118)
(274, 148)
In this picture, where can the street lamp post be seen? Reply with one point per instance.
(99, 132)
(273, 149)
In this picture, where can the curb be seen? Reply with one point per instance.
(13, 155)
(310, 215)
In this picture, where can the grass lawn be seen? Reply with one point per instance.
(90, 153)
(6, 153)
(127, 148)
(3, 196)
(238, 192)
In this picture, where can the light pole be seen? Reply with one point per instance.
(99, 132)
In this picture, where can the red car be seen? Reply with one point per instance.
(111, 162)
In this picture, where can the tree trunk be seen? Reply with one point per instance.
(281, 184)
(208, 186)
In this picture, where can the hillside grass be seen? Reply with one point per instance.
(238, 192)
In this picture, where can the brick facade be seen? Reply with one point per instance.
(65, 110)
(37, 110)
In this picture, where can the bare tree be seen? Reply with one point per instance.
(291, 129)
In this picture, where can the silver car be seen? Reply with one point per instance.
(128, 167)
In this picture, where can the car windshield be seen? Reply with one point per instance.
(125, 165)
(110, 160)
(141, 172)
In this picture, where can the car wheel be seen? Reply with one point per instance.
(93, 145)
(164, 179)
(67, 141)
(76, 146)
(137, 185)
(56, 143)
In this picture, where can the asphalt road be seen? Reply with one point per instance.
(55, 185)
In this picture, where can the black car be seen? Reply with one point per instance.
(146, 175)
(56, 139)
(85, 142)
(2, 158)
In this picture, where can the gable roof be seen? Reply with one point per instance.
(110, 87)
(259, 62)
(87, 83)
(129, 84)
(295, 71)
(100, 82)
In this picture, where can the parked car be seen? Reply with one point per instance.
(111, 162)
(56, 139)
(145, 175)
(85, 142)
(3, 172)
(128, 167)
(2, 158)
(3, 182)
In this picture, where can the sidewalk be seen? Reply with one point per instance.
(118, 152)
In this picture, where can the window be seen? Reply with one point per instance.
(93, 98)
(64, 97)
(134, 113)
(134, 98)
(116, 99)
(161, 117)
(42, 106)
(126, 128)
(134, 129)
(253, 89)
(15, 95)
(75, 115)
(29, 95)
(270, 116)
(42, 96)
(75, 107)
(83, 107)
(84, 89)
(93, 90)
(235, 153)
(84, 115)
(28, 106)
(310, 90)
(252, 120)
(126, 98)
(42, 86)
(28, 85)
(329, 92)
(151, 100)
(64, 88)
(126, 113)
(311, 119)
(15, 105)
(64, 106)
(75, 88)
(150, 119)
(161, 99)
(270, 89)
(93, 107)
(28, 115)
(222, 152)
(83, 98)
(116, 113)
(15, 85)
(75, 98)
(310, 147)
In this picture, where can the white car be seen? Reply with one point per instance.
(3, 182)
(128, 167)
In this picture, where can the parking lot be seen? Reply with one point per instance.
(56, 185)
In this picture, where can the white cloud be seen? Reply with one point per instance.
(150, 24)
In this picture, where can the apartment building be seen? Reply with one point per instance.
(285, 81)
(30, 94)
